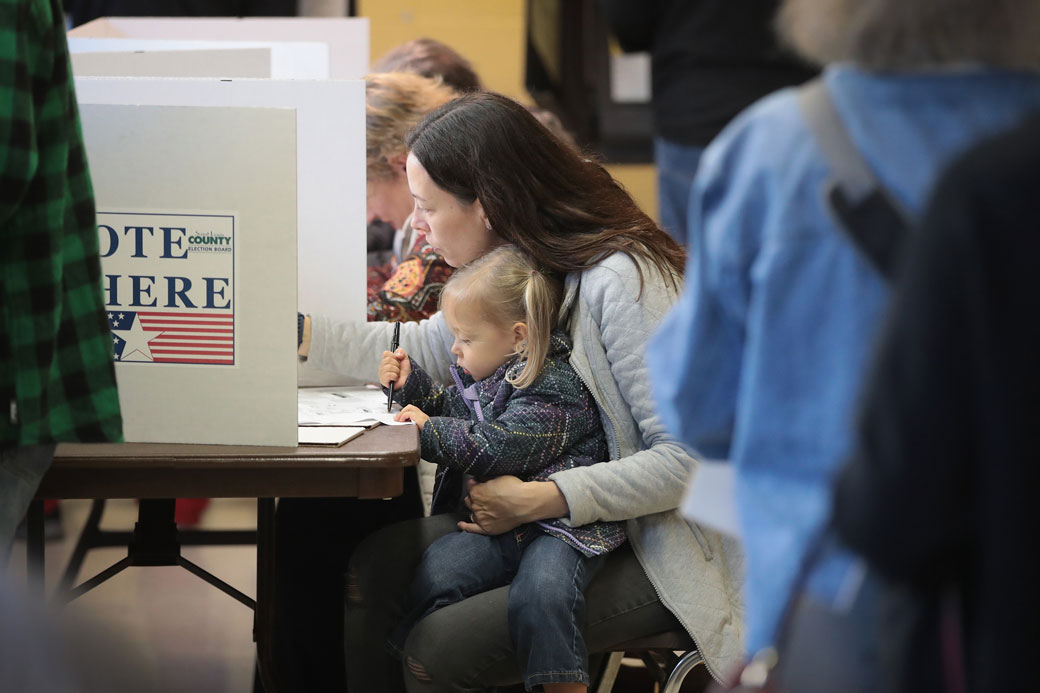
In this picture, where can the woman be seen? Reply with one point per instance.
(483, 172)
(317, 535)
(770, 340)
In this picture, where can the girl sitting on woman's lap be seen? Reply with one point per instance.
(517, 407)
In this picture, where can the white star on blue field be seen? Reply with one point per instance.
(129, 340)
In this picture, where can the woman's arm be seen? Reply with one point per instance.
(505, 502)
(653, 471)
(355, 349)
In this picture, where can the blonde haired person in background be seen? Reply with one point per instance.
(408, 287)
(761, 362)
(429, 58)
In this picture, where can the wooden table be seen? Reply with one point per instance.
(369, 466)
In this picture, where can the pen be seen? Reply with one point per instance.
(394, 343)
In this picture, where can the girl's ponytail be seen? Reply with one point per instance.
(542, 305)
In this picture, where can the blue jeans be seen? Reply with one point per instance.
(547, 581)
(676, 168)
(21, 470)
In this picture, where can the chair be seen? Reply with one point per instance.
(658, 653)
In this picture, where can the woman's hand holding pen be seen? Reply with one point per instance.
(394, 368)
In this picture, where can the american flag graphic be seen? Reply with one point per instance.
(173, 337)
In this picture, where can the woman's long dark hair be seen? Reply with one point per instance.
(564, 210)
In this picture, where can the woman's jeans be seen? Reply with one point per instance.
(676, 168)
(547, 579)
(21, 470)
(468, 646)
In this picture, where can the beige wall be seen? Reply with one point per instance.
(488, 32)
(640, 180)
(491, 34)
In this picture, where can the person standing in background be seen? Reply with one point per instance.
(938, 494)
(57, 379)
(762, 361)
(431, 58)
(710, 59)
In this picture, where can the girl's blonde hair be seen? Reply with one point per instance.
(395, 102)
(908, 34)
(508, 288)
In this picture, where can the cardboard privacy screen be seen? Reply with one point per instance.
(244, 62)
(197, 231)
(136, 58)
(330, 169)
(346, 37)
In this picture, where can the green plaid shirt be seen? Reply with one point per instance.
(57, 381)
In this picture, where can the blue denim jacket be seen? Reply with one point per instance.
(760, 362)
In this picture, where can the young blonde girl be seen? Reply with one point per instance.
(518, 408)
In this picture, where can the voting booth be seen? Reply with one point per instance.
(222, 206)
(95, 57)
(347, 38)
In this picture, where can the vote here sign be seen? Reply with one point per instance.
(169, 286)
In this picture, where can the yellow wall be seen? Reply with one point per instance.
(491, 34)
(640, 180)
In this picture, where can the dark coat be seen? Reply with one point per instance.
(531, 433)
(941, 493)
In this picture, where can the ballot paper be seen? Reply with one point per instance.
(345, 406)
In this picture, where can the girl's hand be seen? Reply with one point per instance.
(395, 367)
(412, 413)
(505, 502)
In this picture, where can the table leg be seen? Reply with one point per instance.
(34, 548)
(263, 619)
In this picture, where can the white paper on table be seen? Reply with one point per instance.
(328, 435)
(711, 498)
(355, 406)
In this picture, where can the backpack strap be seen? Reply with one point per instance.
(876, 224)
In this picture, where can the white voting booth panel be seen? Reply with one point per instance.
(235, 63)
(330, 169)
(346, 37)
(287, 59)
(197, 231)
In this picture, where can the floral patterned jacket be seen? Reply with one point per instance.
(489, 428)
(409, 290)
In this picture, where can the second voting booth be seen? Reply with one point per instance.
(223, 204)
